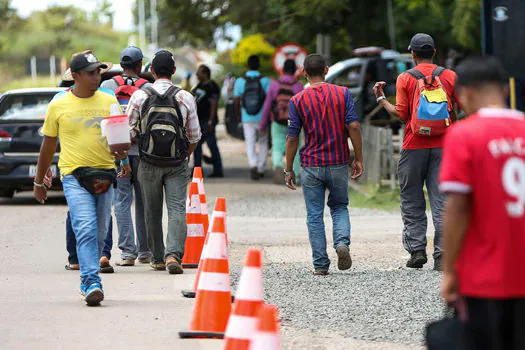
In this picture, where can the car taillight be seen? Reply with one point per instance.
(5, 136)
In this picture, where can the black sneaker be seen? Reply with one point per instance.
(207, 160)
(417, 259)
(254, 174)
(437, 265)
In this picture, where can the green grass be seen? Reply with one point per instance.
(27, 82)
(375, 197)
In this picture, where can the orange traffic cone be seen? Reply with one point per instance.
(267, 333)
(218, 211)
(197, 177)
(248, 300)
(213, 302)
(196, 234)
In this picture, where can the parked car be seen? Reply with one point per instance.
(360, 73)
(22, 114)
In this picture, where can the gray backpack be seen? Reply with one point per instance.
(163, 140)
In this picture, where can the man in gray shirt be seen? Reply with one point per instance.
(123, 86)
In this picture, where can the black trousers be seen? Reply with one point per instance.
(496, 324)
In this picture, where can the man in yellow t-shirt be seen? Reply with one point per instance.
(87, 167)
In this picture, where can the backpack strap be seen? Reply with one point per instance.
(417, 74)
(173, 91)
(119, 80)
(141, 82)
(437, 73)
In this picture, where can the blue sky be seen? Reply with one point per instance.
(123, 19)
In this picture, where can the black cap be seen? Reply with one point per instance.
(87, 62)
(131, 54)
(163, 62)
(421, 42)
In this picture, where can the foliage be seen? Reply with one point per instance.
(57, 31)
(375, 197)
(350, 23)
(254, 45)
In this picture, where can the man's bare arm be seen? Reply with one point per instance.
(292, 144)
(47, 151)
(191, 148)
(456, 221)
(354, 131)
(390, 108)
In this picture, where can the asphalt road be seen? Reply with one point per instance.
(42, 309)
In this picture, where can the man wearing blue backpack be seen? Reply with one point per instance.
(250, 93)
(425, 102)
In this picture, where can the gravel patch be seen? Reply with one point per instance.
(389, 305)
(286, 205)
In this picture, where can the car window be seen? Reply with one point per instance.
(349, 77)
(25, 106)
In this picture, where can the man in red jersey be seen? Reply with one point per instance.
(420, 157)
(483, 174)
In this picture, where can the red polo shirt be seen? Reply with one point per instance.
(406, 88)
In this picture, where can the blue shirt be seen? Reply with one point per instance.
(324, 112)
(238, 91)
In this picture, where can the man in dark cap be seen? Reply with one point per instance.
(124, 86)
(169, 132)
(87, 167)
(421, 155)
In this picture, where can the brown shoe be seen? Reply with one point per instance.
(105, 266)
(173, 266)
(320, 272)
(158, 266)
(126, 262)
(72, 267)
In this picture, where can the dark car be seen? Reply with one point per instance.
(22, 114)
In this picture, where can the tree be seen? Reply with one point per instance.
(254, 45)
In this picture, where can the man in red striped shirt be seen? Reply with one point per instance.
(326, 114)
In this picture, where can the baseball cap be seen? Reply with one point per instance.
(87, 62)
(421, 41)
(163, 62)
(131, 54)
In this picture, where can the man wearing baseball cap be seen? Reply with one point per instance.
(87, 167)
(128, 187)
(169, 133)
(421, 154)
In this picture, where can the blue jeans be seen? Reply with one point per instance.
(126, 187)
(316, 180)
(90, 219)
(211, 140)
(71, 241)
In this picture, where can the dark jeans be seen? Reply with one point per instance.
(496, 324)
(211, 140)
(316, 181)
(71, 242)
(172, 182)
(418, 168)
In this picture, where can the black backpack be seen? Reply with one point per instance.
(163, 139)
(253, 96)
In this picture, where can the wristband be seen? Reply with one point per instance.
(380, 98)
(39, 185)
(124, 161)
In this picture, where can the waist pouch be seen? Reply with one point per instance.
(96, 181)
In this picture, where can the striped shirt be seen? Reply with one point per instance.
(324, 112)
(187, 106)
